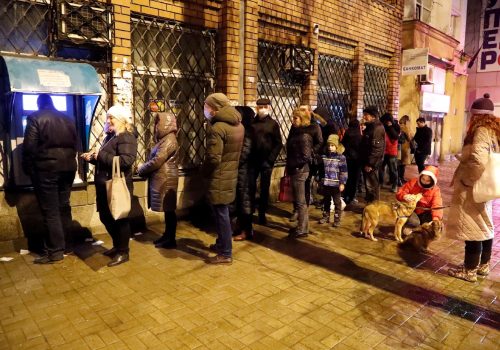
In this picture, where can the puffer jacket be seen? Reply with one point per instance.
(431, 197)
(299, 149)
(224, 141)
(468, 220)
(123, 145)
(50, 142)
(372, 144)
(244, 201)
(161, 168)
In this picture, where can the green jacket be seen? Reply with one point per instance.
(220, 168)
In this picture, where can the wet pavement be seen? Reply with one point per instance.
(332, 290)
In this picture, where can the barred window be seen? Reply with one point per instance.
(173, 69)
(376, 87)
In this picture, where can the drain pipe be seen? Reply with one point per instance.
(241, 73)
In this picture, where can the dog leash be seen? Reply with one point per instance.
(435, 208)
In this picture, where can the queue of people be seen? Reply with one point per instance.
(241, 150)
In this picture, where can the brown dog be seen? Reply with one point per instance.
(397, 212)
(420, 238)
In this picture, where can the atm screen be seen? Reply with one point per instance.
(29, 102)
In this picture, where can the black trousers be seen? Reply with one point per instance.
(477, 252)
(254, 171)
(420, 161)
(354, 173)
(329, 193)
(170, 225)
(52, 190)
(371, 185)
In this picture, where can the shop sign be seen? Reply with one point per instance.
(431, 102)
(489, 56)
(415, 61)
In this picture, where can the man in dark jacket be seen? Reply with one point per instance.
(351, 141)
(49, 157)
(224, 141)
(266, 146)
(423, 138)
(372, 152)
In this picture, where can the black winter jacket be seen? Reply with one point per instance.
(423, 138)
(299, 149)
(50, 142)
(373, 144)
(352, 141)
(266, 141)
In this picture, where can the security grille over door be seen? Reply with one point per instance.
(279, 85)
(334, 87)
(376, 87)
(24, 26)
(173, 70)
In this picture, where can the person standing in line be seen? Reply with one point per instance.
(404, 141)
(333, 179)
(299, 146)
(469, 221)
(423, 138)
(49, 158)
(392, 130)
(163, 173)
(119, 142)
(372, 152)
(352, 141)
(225, 135)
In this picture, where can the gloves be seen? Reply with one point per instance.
(409, 198)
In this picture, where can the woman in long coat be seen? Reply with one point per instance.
(161, 168)
(405, 137)
(470, 221)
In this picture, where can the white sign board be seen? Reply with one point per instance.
(489, 56)
(431, 102)
(415, 61)
(53, 78)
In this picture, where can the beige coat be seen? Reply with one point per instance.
(468, 220)
(405, 147)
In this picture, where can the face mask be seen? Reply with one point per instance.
(263, 112)
(207, 114)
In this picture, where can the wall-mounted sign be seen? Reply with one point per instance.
(431, 102)
(415, 61)
(53, 78)
(489, 57)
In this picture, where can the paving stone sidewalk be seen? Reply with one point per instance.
(332, 290)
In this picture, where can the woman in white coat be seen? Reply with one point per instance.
(470, 221)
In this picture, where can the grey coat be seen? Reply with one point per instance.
(468, 220)
(161, 168)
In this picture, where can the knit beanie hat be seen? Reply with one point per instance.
(335, 140)
(482, 105)
(217, 100)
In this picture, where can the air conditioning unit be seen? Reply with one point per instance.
(86, 21)
(426, 79)
(298, 59)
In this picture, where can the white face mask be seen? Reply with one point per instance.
(263, 112)
(207, 114)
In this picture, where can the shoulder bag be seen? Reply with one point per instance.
(119, 201)
(487, 187)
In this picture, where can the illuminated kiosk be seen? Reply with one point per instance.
(75, 90)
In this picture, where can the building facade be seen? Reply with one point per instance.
(438, 95)
(156, 55)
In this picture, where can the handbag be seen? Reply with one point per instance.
(286, 193)
(119, 202)
(487, 187)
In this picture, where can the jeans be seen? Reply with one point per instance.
(420, 161)
(354, 173)
(477, 252)
(392, 162)
(265, 182)
(371, 185)
(52, 190)
(299, 195)
(224, 231)
(329, 193)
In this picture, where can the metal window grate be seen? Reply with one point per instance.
(24, 26)
(334, 87)
(173, 66)
(278, 85)
(376, 87)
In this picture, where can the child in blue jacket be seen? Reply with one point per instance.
(333, 179)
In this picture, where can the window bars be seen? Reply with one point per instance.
(334, 87)
(278, 85)
(376, 87)
(173, 70)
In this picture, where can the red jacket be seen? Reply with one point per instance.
(391, 146)
(431, 198)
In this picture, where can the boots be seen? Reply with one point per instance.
(469, 275)
(336, 219)
(483, 269)
(325, 219)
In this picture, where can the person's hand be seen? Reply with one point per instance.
(87, 156)
(409, 198)
(368, 169)
(389, 123)
(341, 187)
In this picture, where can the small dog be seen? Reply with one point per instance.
(397, 212)
(420, 238)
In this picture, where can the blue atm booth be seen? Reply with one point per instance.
(75, 90)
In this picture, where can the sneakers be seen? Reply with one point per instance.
(219, 259)
(336, 220)
(243, 236)
(294, 217)
(464, 274)
(325, 219)
(483, 269)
